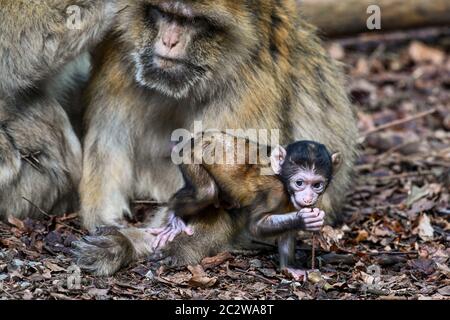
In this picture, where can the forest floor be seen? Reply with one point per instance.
(394, 243)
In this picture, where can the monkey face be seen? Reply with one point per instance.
(305, 187)
(180, 46)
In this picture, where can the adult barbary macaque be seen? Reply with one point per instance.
(270, 204)
(231, 64)
(40, 55)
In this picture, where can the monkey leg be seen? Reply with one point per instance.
(41, 158)
(286, 250)
(107, 179)
(199, 192)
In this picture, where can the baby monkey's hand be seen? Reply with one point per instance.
(167, 234)
(313, 219)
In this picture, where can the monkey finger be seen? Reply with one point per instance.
(189, 231)
(173, 234)
(310, 215)
(155, 231)
(316, 229)
(158, 242)
(314, 224)
(163, 240)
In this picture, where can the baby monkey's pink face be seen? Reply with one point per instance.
(306, 186)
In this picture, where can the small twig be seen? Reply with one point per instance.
(396, 253)
(313, 251)
(444, 211)
(9, 294)
(397, 123)
(123, 9)
(264, 243)
(149, 202)
(31, 159)
(49, 216)
(256, 276)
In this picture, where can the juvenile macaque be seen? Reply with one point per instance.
(276, 205)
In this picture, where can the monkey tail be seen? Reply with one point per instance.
(105, 254)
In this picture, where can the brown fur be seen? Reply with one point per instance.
(266, 69)
(40, 153)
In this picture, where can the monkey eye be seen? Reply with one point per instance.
(299, 183)
(318, 185)
(155, 13)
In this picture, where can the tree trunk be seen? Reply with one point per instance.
(346, 17)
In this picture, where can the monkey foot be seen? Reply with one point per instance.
(296, 274)
(167, 234)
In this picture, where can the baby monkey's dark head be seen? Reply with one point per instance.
(306, 168)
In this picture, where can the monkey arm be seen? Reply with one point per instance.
(39, 37)
(274, 224)
(199, 192)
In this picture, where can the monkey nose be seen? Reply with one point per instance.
(170, 41)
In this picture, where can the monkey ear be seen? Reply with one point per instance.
(336, 159)
(277, 158)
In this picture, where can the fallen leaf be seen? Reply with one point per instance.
(363, 235)
(200, 278)
(53, 267)
(424, 228)
(426, 266)
(17, 223)
(212, 262)
(329, 237)
(95, 292)
(445, 291)
(416, 194)
(420, 52)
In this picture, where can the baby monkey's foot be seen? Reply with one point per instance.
(167, 234)
(296, 274)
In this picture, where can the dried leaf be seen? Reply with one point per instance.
(416, 194)
(200, 278)
(53, 267)
(420, 52)
(445, 291)
(17, 223)
(212, 262)
(424, 228)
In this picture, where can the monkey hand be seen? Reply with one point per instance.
(167, 234)
(313, 219)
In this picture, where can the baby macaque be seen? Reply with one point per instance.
(273, 198)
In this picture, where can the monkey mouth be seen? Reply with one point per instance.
(166, 63)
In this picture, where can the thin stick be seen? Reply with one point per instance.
(398, 122)
(149, 202)
(313, 251)
(255, 276)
